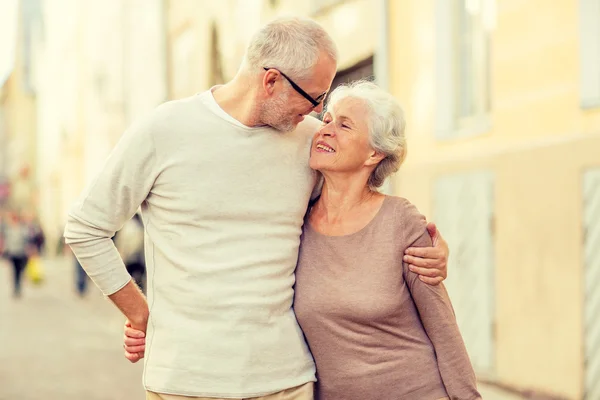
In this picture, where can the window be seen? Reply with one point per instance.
(320, 5)
(589, 30)
(30, 28)
(360, 70)
(472, 61)
(463, 63)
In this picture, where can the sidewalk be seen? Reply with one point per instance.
(56, 345)
(492, 393)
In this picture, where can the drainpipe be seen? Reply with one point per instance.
(381, 59)
(165, 49)
(381, 62)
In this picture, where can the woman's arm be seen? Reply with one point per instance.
(439, 321)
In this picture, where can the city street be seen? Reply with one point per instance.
(56, 345)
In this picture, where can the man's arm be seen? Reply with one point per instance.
(104, 207)
(132, 304)
(430, 263)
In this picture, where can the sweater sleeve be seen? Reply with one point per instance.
(109, 201)
(437, 315)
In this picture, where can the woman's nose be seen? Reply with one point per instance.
(327, 130)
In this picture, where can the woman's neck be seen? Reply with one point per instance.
(342, 197)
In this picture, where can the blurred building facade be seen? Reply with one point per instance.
(17, 124)
(503, 137)
(107, 61)
(206, 44)
(83, 72)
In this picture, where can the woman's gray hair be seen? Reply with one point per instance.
(386, 125)
(292, 45)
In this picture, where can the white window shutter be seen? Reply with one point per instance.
(589, 40)
(445, 97)
(464, 212)
(591, 226)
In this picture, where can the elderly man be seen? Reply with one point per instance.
(223, 182)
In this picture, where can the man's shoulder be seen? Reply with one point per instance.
(169, 114)
(195, 102)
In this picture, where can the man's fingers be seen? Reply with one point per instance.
(135, 349)
(133, 341)
(134, 333)
(423, 252)
(431, 281)
(432, 230)
(133, 357)
(419, 262)
(425, 272)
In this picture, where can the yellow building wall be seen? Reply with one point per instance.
(540, 143)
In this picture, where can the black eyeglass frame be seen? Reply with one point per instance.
(314, 102)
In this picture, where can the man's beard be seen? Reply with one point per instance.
(274, 114)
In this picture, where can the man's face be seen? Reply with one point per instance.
(286, 107)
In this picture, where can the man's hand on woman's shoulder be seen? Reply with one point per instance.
(431, 263)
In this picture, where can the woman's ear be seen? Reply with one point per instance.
(374, 158)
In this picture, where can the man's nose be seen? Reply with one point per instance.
(319, 109)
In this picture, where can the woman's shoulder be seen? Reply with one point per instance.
(405, 210)
(407, 218)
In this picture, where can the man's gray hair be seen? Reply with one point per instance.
(386, 125)
(292, 45)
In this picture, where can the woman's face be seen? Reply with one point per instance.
(342, 144)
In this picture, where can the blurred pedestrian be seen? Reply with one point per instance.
(37, 239)
(2, 232)
(17, 249)
(130, 243)
(81, 278)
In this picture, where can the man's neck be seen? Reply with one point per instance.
(238, 99)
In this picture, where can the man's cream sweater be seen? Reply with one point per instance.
(223, 207)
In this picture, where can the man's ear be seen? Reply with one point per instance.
(374, 158)
(269, 81)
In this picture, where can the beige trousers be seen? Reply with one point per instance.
(302, 392)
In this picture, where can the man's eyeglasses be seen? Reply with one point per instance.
(314, 102)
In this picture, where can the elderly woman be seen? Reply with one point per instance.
(376, 331)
